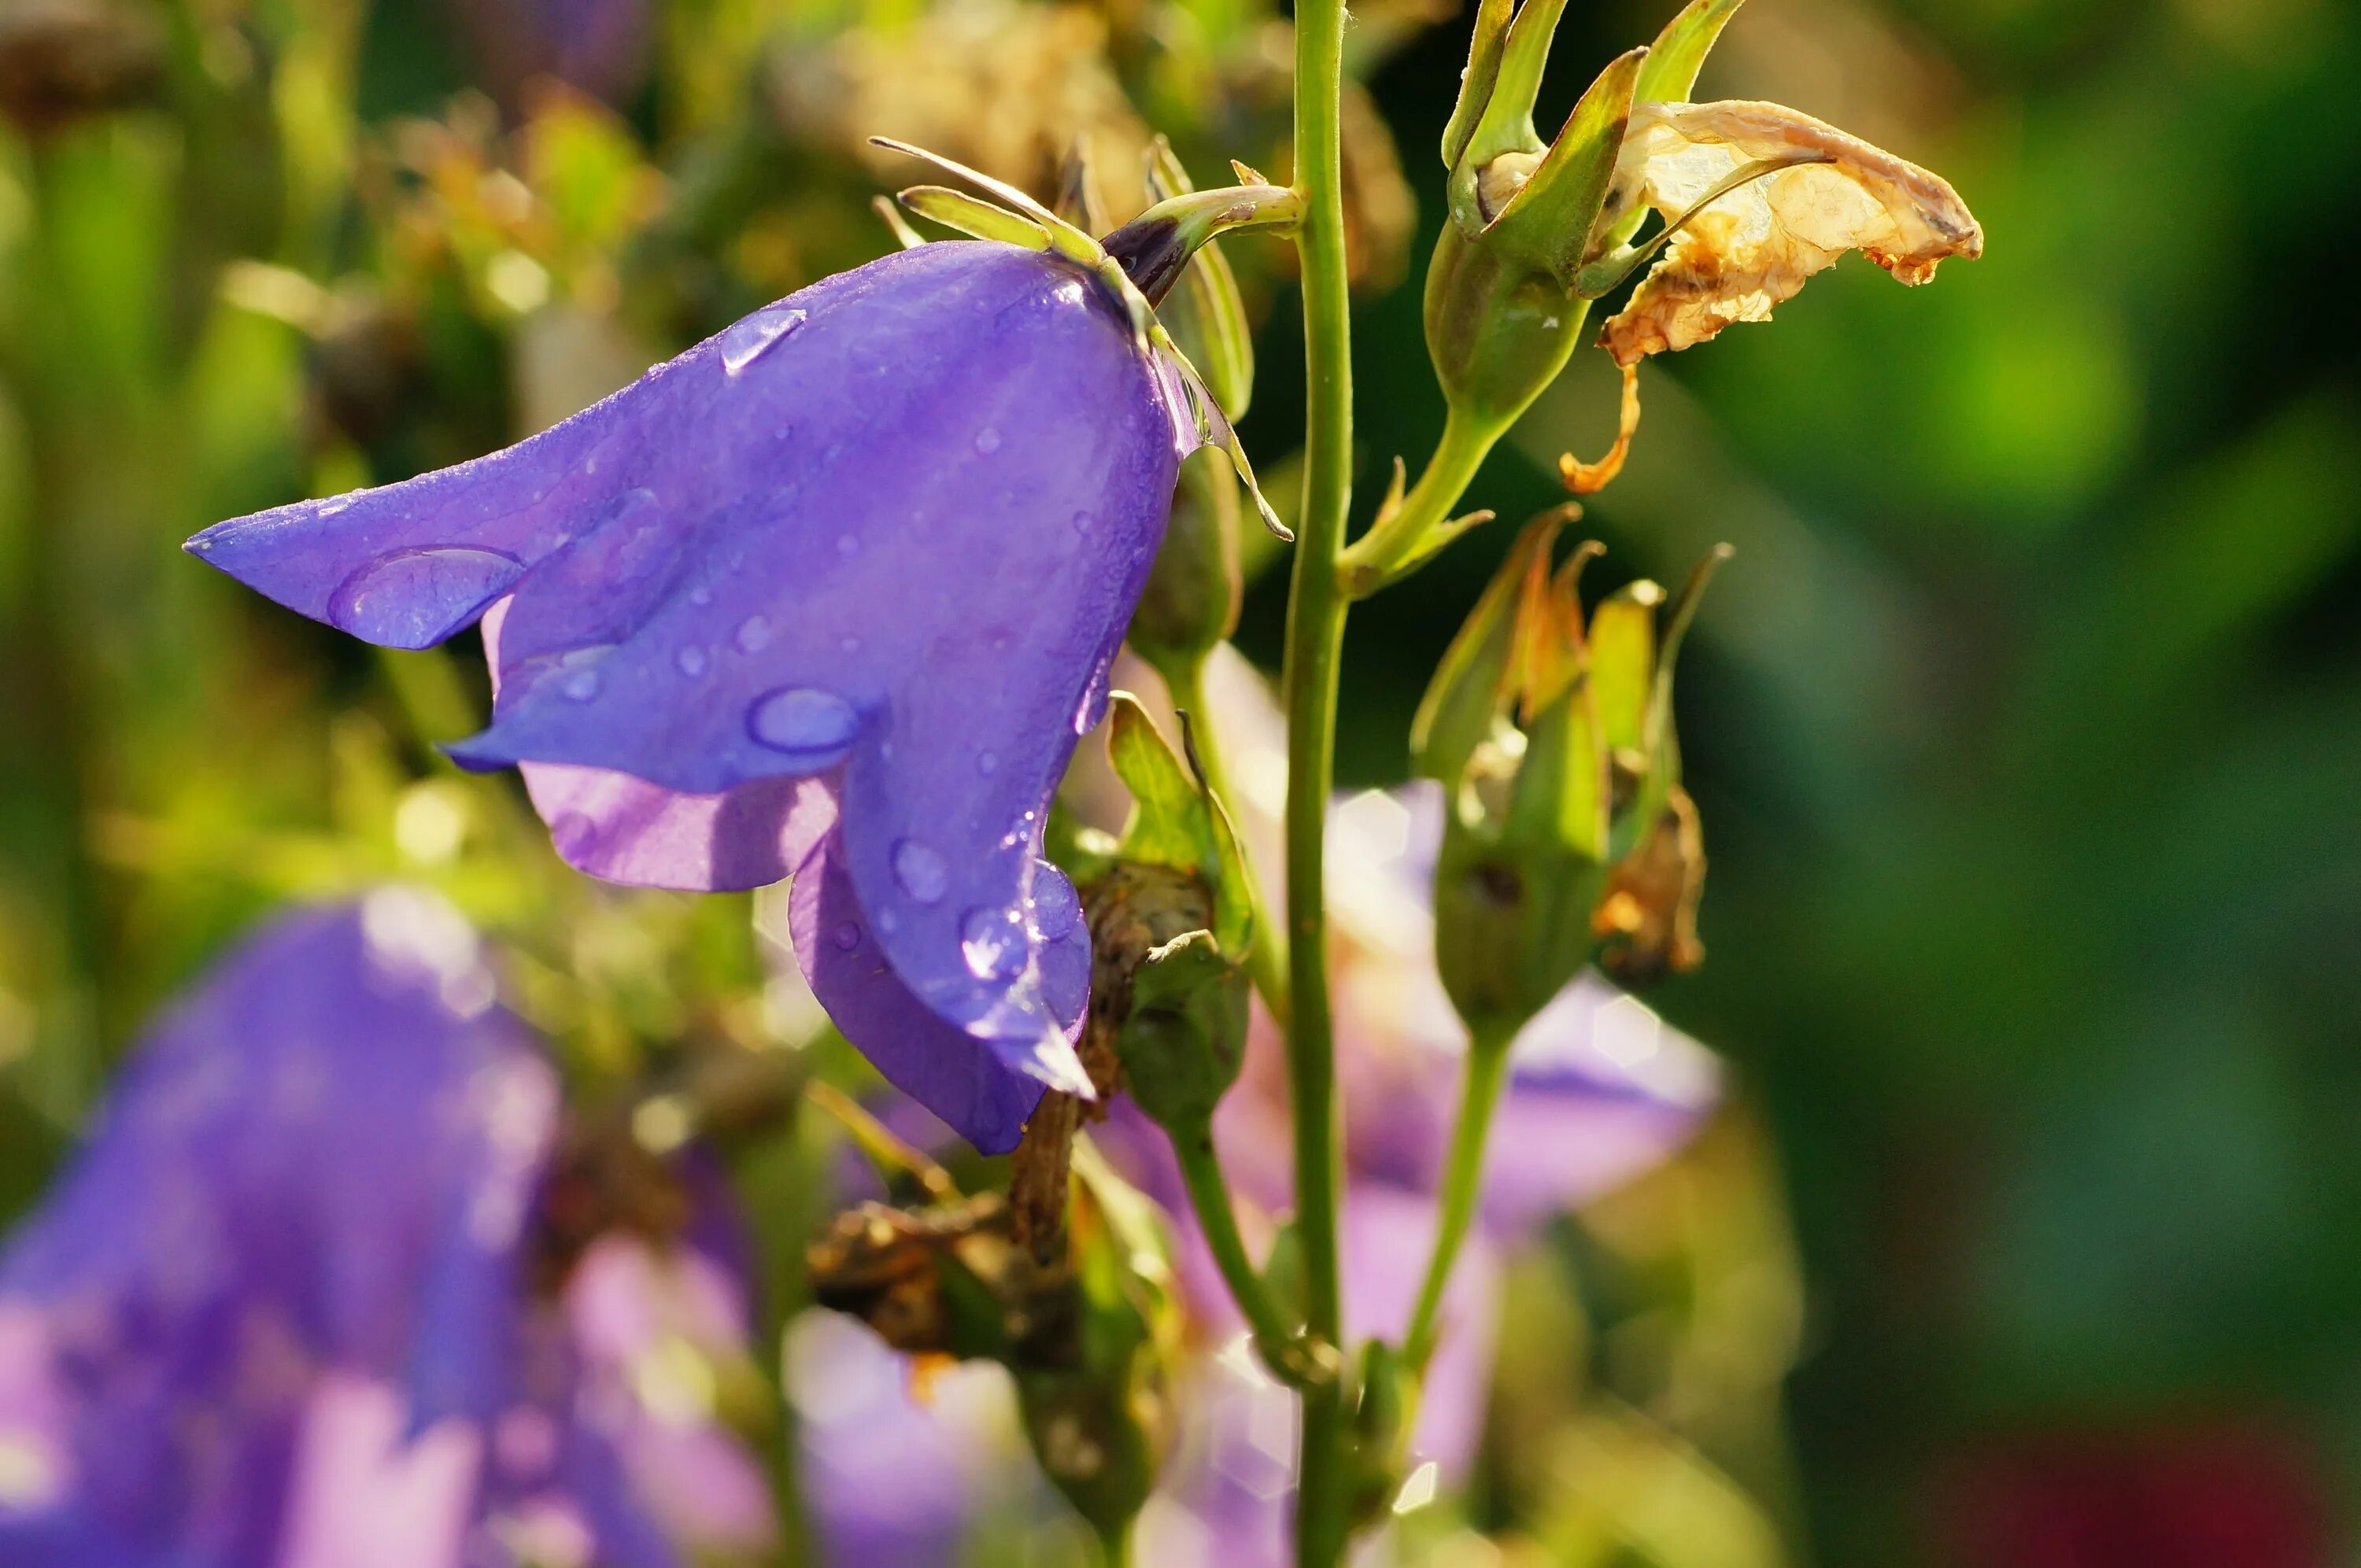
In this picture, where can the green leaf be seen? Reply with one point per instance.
(1469, 691)
(1176, 822)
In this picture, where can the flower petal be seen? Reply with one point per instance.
(984, 1092)
(1754, 247)
(624, 830)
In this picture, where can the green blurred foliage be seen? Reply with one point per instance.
(2025, 725)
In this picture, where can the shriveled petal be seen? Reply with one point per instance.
(1754, 247)
(983, 1090)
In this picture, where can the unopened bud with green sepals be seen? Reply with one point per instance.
(1554, 747)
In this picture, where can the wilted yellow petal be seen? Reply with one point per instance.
(1590, 479)
(1754, 247)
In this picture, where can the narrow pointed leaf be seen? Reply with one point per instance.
(1476, 83)
(1679, 51)
(956, 209)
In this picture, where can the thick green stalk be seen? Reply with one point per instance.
(1463, 1182)
(1315, 638)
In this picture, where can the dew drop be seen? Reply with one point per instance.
(887, 922)
(749, 340)
(690, 661)
(1057, 909)
(987, 763)
(847, 545)
(987, 441)
(581, 685)
(921, 870)
(1084, 522)
(1094, 703)
(810, 725)
(700, 594)
(851, 644)
(993, 941)
(753, 634)
(847, 937)
(335, 504)
(414, 599)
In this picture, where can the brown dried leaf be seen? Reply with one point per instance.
(1754, 247)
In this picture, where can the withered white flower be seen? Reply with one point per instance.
(1754, 246)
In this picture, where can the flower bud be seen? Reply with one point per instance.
(1191, 603)
(1171, 923)
(1565, 826)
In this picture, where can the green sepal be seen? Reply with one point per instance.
(1484, 50)
(1206, 312)
(1184, 1041)
(1176, 821)
(1623, 662)
(1679, 51)
(1548, 222)
(1657, 740)
(970, 216)
(1469, 696)
(1190, 602)
(1506, 123)
(1561, 794)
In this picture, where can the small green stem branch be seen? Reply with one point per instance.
(1463, 1182)
(1208, 1195)
(1267, 963)
(1315, 638)
(1400, 538)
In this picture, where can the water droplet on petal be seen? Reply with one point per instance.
(581, 685)
(987, 441)
(749, 340)
(335, 504)
(886, 922)
(921, 870)
(986, 762)
(1057, 909)
(690, 661)
(993, 941)
(753, 634)
(1094, 701)
(847, 937)
(851, 644)
(810, 725)
(700, 594)
(847, 545)
(1083, 522)
(414, 599)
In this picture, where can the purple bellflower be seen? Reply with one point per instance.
(832, 594)
(274, 1312)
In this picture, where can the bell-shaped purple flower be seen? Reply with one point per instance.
(833, 593)
(274, 1311)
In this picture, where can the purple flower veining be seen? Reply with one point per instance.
(273, 1312)
(832, 594)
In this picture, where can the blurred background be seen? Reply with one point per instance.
(2026, 724)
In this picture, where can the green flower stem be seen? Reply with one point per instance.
(1397, 541)
(1463, 1181)
(1208, 1195)
(1266, 964)
(1315, 637)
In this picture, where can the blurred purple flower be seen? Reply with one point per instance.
(273, 1313)
(834, 592)
(599, 45)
